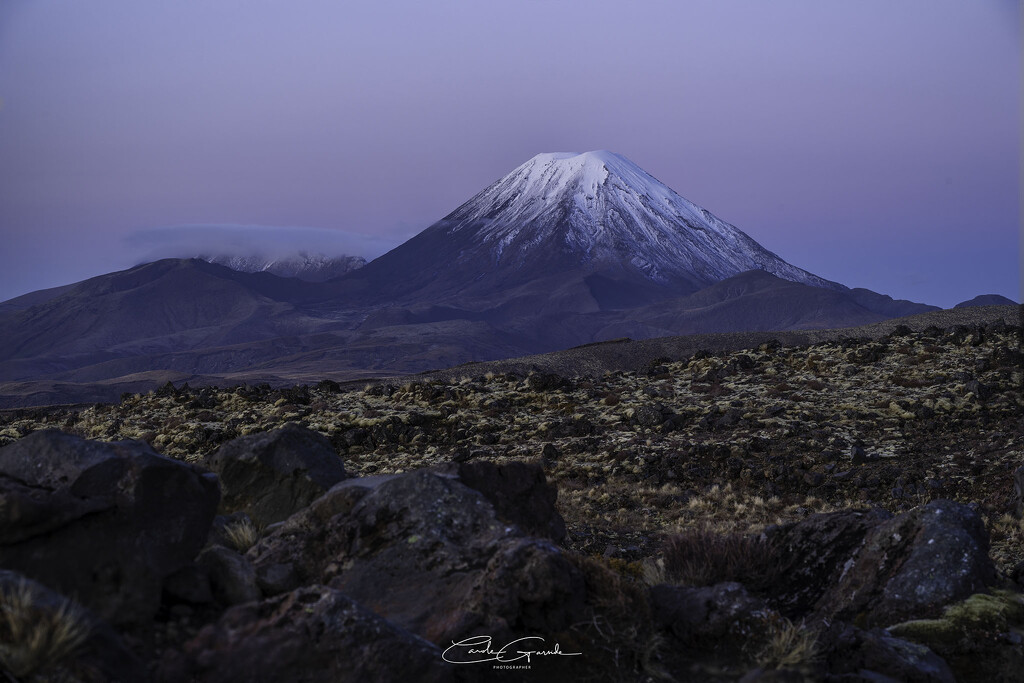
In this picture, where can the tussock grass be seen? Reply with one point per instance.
(701, 557)
(242, 535)
(787, 645)
(34, 638)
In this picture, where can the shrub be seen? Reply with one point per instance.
(700, 557)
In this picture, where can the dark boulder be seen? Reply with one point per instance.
(314, 634)
(648, 416)
(190, 584)
(426, 552)
(231, 576)
(723, 615)
(854, 655)
(912, 566)
(722, 632)
(813, 553)
(520, 494)
(981, 391)
(547, 381)
(104, 522)
(877, 570)
(273, 475)
(527, 587)
(550, 454)
(44, 636)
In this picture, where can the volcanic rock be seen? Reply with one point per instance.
(708, 615)
(190, 584)
(314, 634)
(429, 554)
(519, 493)
(813, 555)
(854, 654)
(231, 576)
(913, 565)
(993, 657)
(104, 522)
(275, 474)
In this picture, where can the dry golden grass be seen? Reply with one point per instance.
(242, 535)
(1007, 536)
(34, 639)
(725, 509)
(787, 645)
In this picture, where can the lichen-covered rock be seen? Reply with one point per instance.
(912, 566)
(104, 522)
(648, 416)
(875, 569)
(273, 475)
(812, 555)
(429, 554)
(980, 638)
(314, 634)
(44, 637)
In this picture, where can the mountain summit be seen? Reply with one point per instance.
(597, 215)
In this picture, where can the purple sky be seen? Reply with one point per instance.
(873, 143)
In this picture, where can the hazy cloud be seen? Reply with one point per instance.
(187, 241)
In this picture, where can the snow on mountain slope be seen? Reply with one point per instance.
(601, 207)
(302, 265)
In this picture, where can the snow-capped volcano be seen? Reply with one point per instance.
(600, 206)
(596, 215)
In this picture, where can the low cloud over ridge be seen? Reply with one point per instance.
(187, 241)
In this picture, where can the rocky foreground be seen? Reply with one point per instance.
(843, 511)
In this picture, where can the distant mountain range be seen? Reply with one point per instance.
(567, 249)
(302, 265)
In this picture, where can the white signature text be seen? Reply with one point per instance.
(481, 649)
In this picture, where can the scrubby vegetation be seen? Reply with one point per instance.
(672, 474)
(731, 441)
